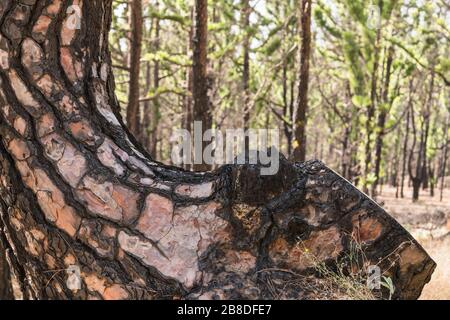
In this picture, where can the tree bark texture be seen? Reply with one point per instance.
(76, 190)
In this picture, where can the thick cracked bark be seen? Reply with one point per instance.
(76, 190)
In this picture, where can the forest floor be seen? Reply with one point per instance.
(428, 220)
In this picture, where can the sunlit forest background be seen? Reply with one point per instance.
(378, 100)
(376, 105)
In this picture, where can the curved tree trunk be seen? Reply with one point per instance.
(85, 213)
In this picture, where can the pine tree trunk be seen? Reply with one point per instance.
(86, 214)
(371, 109)
(381, 123)
(404, 157)
(155, 113)
(201, 106)
(302, 100)
(188, 107)
(133, 109)
(246, 64)
(444, 164)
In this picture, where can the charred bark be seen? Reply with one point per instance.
(86, 213)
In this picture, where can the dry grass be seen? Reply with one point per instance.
(346, 280)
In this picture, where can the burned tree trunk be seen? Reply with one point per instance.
(85, 213)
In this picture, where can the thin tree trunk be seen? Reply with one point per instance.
(188, 106)
(154, 121)
(288, 104)
(246, 64)
(300, 117)
(444, 164)
(201, 112)
(133, 110)
(381, 123)
(427, 120)
(85, 213)
(147, 105)
(371, 109)
(405, 144)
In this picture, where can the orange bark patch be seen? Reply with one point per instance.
(51, 201)
(54, 7)
(4, 60)
(48, 85)
(19, 149)
(45, 125)
(50, 261)
(156, 218)
(20, 125)
(115, 292)
(82, 131)
(41, 27)
(127, 200)
(68, 220)
(192, 230)
(94, 283)
(410, 257)
(98, 198)
(71, 66)
(22, 93)
(366, 228)
(69, 260)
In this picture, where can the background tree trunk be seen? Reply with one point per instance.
(405, 142)
(133, 110)
(246, 63)
(86, 213)
(381, 123)
(155, 112)
(302, 100)
(445, 159)
(200, 86)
